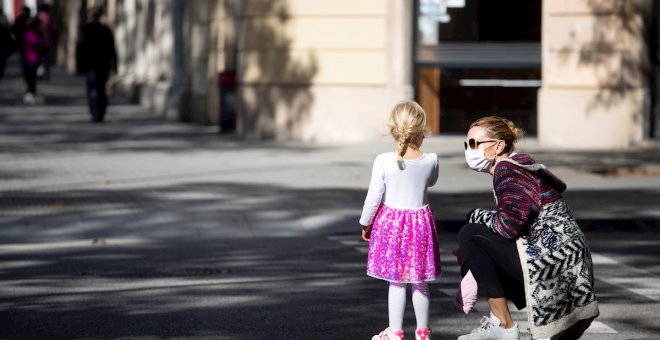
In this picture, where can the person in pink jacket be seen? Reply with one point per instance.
(32, 48)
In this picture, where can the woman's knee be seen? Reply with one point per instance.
(468, 231)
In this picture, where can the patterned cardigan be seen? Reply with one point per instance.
(556, 262)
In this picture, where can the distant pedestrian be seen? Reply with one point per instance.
(96, 58)
(8, 44)
(398, 222)
(530, 249)
(32, 50)
(18, 29)
(49, 33)
(3, 20)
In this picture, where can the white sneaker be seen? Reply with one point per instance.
(29, 99)
(388, 334)
(490, 330)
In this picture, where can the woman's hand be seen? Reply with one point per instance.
(366, 233)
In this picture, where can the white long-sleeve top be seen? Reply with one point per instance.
(399, 188)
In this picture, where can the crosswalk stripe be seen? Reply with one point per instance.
(633, 279)
(596, 327)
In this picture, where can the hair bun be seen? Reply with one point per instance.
(516, 132)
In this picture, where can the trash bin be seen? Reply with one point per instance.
(227, 88)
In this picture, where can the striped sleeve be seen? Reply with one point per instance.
(518, 200)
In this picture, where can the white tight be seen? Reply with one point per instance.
(396, 304)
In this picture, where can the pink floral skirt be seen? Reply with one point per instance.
(404, 245)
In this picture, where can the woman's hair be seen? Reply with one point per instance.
(502, 129)
(407, 126)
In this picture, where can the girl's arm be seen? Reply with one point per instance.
(434, 174)
(374, 195)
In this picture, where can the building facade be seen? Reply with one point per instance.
(576, 73)
(598, 78)
(310, 70)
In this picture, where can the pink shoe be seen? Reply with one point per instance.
(423, 334)
(466, 296)
(388, 334)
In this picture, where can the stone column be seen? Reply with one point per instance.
(595, 90)
(125, 33)
(400, 26)
(195, 87)
(178, 57)
(69, 19)
(154, 79)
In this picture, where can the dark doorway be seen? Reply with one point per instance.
(486, 56)
(468, 94)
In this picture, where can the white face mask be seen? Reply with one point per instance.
(477, 161)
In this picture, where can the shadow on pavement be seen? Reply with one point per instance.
(205, 289)
(210, 208)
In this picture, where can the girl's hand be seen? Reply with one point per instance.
(366, 233)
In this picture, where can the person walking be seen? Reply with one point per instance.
(96, 57)
(32, 50)
(18, 29)
(49, 33)
(530, 249)
(8, 44)
(398, 222)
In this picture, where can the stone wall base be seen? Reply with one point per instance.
(592, 119)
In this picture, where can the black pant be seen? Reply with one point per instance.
(96, 96)
(494, 263)
(3, 65)
(30, 76)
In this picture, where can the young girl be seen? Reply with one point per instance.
(398, 222)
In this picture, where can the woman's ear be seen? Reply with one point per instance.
(500, 147)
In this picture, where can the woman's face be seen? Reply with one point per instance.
(482, 140)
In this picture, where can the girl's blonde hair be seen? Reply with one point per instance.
(407, 126)
(502, 129)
